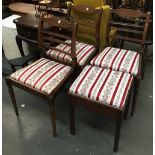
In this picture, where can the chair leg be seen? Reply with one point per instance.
(53, 119)
(117, 134)
(13, 99)
(72, 120)
(136, 90)
(126, 111)
(127, 106)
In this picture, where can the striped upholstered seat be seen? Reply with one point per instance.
(83, 52)
(43, 75)
(103, 86)
(118, 60)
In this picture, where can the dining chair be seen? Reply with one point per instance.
(132, 27)
(46, 76)
(103, 91)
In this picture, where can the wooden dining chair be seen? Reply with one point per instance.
(104, 91)
(84, 51)
(45, 77)
(132, 27)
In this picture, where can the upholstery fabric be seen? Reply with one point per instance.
(83, 52)
(43, 75)
(102, 85)
(119, 60)
(95, 3)
(104, 25)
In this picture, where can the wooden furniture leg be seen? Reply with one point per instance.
(117, 133)
(13, 99)
(128, 104)
(136, 90)
(53, 119)
(72, 120)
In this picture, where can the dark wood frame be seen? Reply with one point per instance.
(48, 97)
(130, 30)
(109, 111)
(96, 24)
(127, 30)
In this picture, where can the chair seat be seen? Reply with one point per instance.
(103, 86)
(43, 75)
(83, 52)
(118, 60)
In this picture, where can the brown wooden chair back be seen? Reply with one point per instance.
(86, 16)
(54, 31)
(132, 25)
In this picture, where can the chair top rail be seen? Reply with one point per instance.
(85, 9)
(83, 21)
(129, 13)
(59, 22)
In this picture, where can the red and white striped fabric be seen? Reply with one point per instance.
(83, 52)
(119, 60)
(43, 75)
(102, 85)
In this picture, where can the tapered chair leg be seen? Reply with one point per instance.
(13, 99)
(71, 118)
(136, 90)
(53, 118)
(117, 134)
(128, 105)
(126, 111)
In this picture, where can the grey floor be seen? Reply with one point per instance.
(30, 133)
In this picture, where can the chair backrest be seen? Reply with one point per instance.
(132, 25)
(86, 17)
(54, 31)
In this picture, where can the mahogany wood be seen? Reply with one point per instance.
(132, 26)
(48, 97)
(113, 113)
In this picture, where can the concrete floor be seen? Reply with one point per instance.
(30, 133)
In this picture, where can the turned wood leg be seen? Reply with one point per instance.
(117, 134)
(53, 119)
(136, 90)
(71, 118)
(13, 99)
